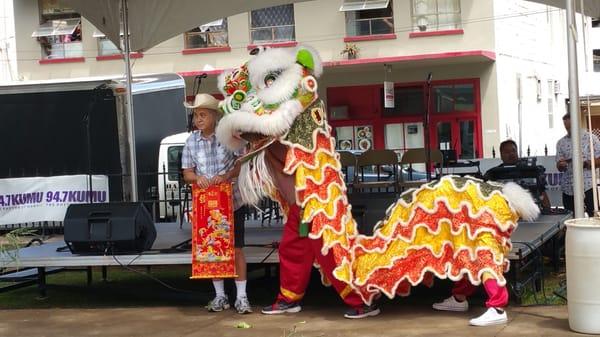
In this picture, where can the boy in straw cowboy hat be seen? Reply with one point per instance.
(205, 162)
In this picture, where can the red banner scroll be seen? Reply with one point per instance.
(213, 253)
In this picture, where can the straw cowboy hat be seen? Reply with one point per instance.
(203, 101)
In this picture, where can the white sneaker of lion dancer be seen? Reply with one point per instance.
(451, 304)
(492, 316)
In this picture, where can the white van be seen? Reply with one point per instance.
(170, 196)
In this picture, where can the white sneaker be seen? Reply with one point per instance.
(242, 305)
(451, 304)
(490, 317)
(219, 303)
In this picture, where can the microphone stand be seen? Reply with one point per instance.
(426, 128)
(87, 120)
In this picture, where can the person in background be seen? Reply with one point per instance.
(509, 153)
(497, 295)
(564, 155)
(76, 36)
(206, 162)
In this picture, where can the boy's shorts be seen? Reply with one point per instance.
(238, 226)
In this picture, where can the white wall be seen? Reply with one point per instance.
(318, 23)
(590, 80)
(8, 52)
(533, 46)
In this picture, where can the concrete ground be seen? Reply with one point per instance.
(321, 316)
(395, 320)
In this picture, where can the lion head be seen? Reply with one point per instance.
(265, 95)
(263, 100)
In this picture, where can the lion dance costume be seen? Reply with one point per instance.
(457, 228)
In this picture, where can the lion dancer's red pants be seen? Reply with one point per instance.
(497, 295)
(296, 257)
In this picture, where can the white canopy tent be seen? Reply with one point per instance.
(147, 23)
(590, 7)
(154, 21)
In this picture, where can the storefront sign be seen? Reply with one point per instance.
(388, 94)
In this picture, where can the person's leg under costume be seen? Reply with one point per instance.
(497, 295)
(296, 257)
(295, 260)
(497, 300)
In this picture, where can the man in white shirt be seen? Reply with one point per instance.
(564, 155)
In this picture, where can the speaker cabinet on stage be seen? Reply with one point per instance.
(108, 228)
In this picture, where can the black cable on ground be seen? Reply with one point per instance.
(154, 278)
(273, 245)
(562, 287)
(538, 252)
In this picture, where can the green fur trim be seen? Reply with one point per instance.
(305, 58)
(276, 105)
(486, 188)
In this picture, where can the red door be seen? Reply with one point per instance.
(460, 134)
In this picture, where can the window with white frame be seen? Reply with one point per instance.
(212, 34)
(596, 56)
(59, 33)
(368, 17)
(434, 15)
(105, 46)
(272, 24)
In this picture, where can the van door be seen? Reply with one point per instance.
(171, 196)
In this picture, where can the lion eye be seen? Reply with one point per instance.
(271, 77)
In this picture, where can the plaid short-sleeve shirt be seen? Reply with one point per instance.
(209, 158)
(564, 150)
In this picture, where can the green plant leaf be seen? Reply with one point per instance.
(243, 325)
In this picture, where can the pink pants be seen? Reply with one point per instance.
(497, 295)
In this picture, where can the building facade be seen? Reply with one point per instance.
(8, 55)
(498, 68)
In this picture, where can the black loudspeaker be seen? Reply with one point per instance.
(449, 156)
(108, 228)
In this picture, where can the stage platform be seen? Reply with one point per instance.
(168, 235)
(526, 256)
(527, 238)
(531, 235)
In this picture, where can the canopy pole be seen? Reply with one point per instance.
(576, 161)
(129, 103)
(593, 157)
